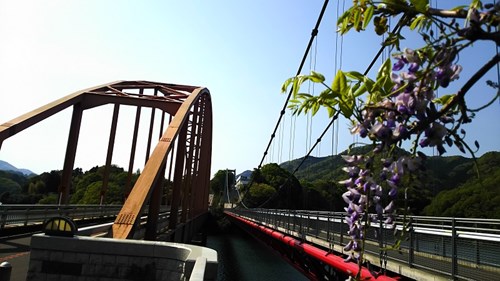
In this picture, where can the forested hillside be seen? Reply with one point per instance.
(448, 186)
(478, 196)
(16, 188)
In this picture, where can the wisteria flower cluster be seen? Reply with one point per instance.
(400, 106)
(363, 191)
(393, 119)
(396, 117)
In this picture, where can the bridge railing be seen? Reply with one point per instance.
(19, 215)
(23, 215)
(457, 247)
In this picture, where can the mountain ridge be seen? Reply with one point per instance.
(6, 166)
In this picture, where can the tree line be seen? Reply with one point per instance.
(16, 188)
(453, 186)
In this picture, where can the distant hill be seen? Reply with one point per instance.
(325, 168)
(6, 166)
(441, 177)
(441, 172)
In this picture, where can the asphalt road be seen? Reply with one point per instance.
(16, 251)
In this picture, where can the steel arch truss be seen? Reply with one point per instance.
(184, 148)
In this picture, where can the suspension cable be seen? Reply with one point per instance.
(395, 30)
(314, 32)
(303, 158)
(282, 112)
(293, 120)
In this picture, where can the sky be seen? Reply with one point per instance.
(242, 51)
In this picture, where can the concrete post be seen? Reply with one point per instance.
(5, 270)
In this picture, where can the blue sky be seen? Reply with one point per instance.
(241, 51)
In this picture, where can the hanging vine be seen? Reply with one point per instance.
(400, 105)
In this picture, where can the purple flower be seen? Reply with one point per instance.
(362, 200)
(396, 178)
(399, 64)
(389, 220)
(411, 56)
(353, 160)
(389, 208)
(413, 67)
(348, 247)
(455, 71)
(352, 171)
(408, 76)
(447, 73)
(394, 191)
(347, 196)
(380, 131)
(347, 183)
(400, 130)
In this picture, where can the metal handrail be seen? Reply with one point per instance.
(23, 215)
(460, 245)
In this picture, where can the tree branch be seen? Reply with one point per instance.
(457, 99)
(460, 14)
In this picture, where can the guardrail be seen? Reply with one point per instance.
(23, 215)
(12, 216)
(460, 248)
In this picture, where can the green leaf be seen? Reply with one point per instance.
(417, 22)
(315, 108)
(384, 70)
(458, 8)
(339, 83)
(325, 94)
(304, 95)
(357, 20)
(420, 5)
(297, 82)
(344, 22)
(388, 85)
(354, 75)
(368, 16)
(368, 83)
(443, 100)
(347, 108)
(316, 77)
(475, 4)
(287, 83)
(374, 97)
(359, 91)
(331, 111)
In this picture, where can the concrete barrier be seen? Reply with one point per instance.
(83, 258)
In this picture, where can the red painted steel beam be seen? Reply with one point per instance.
(332, 260)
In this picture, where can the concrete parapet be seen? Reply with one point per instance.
(92, 258)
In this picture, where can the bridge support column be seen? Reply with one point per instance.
(178, 177)
(187, 195)
(154, 209)
(109, 156)
(128, 185)
(69, 159)
(205, 152)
